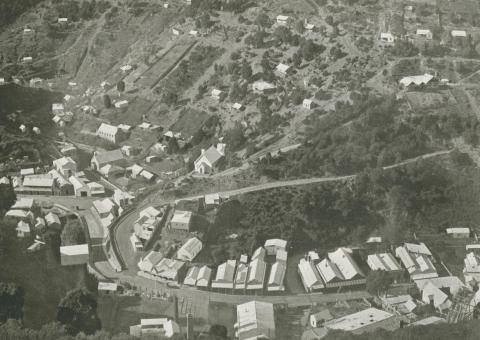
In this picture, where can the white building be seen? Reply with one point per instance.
(110, 133)
(459, 34)
(458, 232)
(387, 38)
(241, 276)
(282, 70)
(121, 104)
(263, 87)
(23, 229)
(217, 94)
(204, 277)
(317, 320)
(277, 275)
(137, 244)
(308, 104)
(225, 275)
(79, 187)
(417, 259)
(66, 166)
(208, 159)
(425, 33)
(181, 220)
(471, 269)
(24, 203)
(416, 80)
(190, 250)
(272, 246)
(283, 20)
(191, 277)
(339, 269)
(155, 327)
(383, 261)
(53, 221)
(365, 321)
(309, 275)
(256, 274)
(255, 320)
(74, 255)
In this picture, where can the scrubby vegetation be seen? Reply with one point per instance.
(11, 10)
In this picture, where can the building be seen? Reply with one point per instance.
(277, 275)
(256, 274)
(425, 33)
(283, 20)
(255, 320)
(416, 80)
(211, 200)
(106, 210)
(401, 304)
(155, 327)
(66, 166)
(225, 275)
(204, 277)
(150, 212)
(137, 244)
(339, 269)
(100, 159)
(431, 320)
(23, 203)
(417, 259)
(272, 246)
(309, 275)
(36, 185)
(23, 229)
(241, 276)
(80, 189)
(317, 320)
(308, 104)
(40, 225)
(181, 220)
(384, 261)
(107, 288)
(20, 215)
(387, 38)
(436, 297)
(281, 256)
(112, 170)
(62, 186)
(192, 275)
(282, 70)
(218, 94)
(263, 87)
(74, 255)
(145, 226)
(458, 232)
(121, 104)
(190, 250)
(471, 269)
(449, 284)
(168, 269)
(53, 221)
(147, 263)
(111, 133)
(367, 320)
(208, 159)
(62, 20)
(458, 34)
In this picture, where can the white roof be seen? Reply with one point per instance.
(374, 239)
(191, 277)
(79, 249)
(458, 231)
(216, 92)
(203, 277)
(241, 276)
(420, 248)
(282, 68)
(329, 271)
(57, 106)
(257, 271)
(262, 85)
(259, 253)
(26, 172)
(17, 213)
(104, 206)
(4, 180)
(168, 268)
(23, 227)
(107, 128)
(277, 274)
(384, 261)
(386, 35)
(428, 321)
(52, 218)
(76, 182)
(212, 198)
(181, 216)
(226, 271)
(282, 17)
(23, 203)
(423, 32)
(126, 67)
(147, 174)
(439, 297)
(417, 80)
(62, 162)
(38, 181)
(281, 255)
(309, 274)
(150, 260)
(358, 320)
(150, 212)
(190, 249)
(237, 106)
(451, 282)
(124, 127)
(144, 125)
(458, 33)
(255, 320)
(343, 260)
(276, 242)
(107, 286)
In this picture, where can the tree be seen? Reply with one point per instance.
(11, 301)
(234, 137)
(7, 196)
(299, 27)
(262, 21)
(107, 102)
(246, 70)
(169, 97)
(78, 312)
(218, 332)
(378, 282)
(172, 146)
(72, 233)
(121, 86)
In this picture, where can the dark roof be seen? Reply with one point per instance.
(108, 156)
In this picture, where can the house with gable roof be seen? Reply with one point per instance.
(205, 164)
